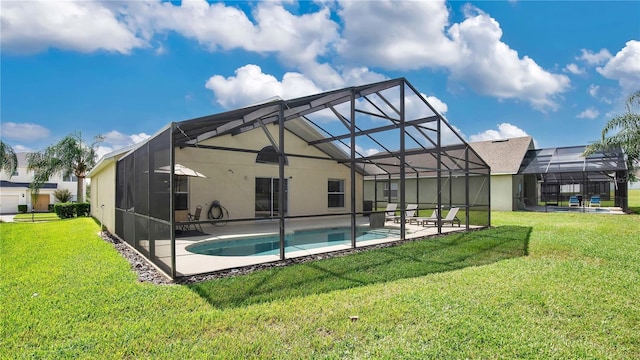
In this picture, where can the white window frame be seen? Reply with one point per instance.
(394, 192)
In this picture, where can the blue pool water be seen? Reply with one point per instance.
(577, 209)
(299, 240)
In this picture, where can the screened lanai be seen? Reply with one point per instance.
(555, 175)
(289, 178)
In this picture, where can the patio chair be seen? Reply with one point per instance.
(451, 218)
(574, 201)
(390, 211)
(595, 201)
(195, 217)
(409, 213)
(421, 220)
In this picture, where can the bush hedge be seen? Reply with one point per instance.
(22, 209)
(69, 210)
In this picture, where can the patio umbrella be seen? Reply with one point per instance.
(181, 170)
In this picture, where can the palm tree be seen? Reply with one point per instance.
(69, 156)
(627, 137)
(9, 159)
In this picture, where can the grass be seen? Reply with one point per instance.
(535, 286)
(36, 217)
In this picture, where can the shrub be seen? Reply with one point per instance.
(50, 208)
(22, 209)
(62, 195)
(83, 209)
(69, 210)
(65, 210)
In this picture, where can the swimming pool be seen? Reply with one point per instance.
(577, 209)
(296, 241)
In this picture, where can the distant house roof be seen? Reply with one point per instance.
(110, 158)
(503, 156)
(11, 184)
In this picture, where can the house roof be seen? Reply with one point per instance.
(109, 158)
(11, 184)
(503, 156)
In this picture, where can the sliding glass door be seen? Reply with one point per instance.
(268, 196)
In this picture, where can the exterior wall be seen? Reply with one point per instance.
(103, 196)
(231, 175)
(503, 192)
(424, 191)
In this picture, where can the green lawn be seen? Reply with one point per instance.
(535, 286)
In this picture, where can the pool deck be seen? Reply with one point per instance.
(188, 263)
(576, 209)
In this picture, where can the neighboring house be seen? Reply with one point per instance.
(523, 177)
(509, 190)
(15, 190)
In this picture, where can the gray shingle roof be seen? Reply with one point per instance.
(503, 156)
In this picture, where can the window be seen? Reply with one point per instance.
(336, 193)
(181, 186)
(268, 155)
(394, 190)
(70, 178)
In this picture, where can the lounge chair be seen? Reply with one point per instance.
(574, 201)
(421, 220)
(595, 201)
(390, 211)
(195, 217)
(451, 218)
(409, 213)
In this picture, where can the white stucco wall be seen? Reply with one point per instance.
(502, 191)
(231, 175)
(103, 192)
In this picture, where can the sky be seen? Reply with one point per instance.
(552, 70)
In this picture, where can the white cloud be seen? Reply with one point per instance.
(23, 131)
(574, 69)
(471, 50)
(593, 90)
(21, 148)
(250, 85)
(505, 131)
(367, 152)
(85, 26)
(102, 150)
(592, 58)
(296, 39)
(440, 106)
(119, 140)
(589, 113)
(482, 52)
(624, 67)
(396, 34)
(114, 140)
